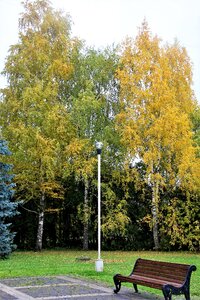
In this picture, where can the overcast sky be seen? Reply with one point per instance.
(104, 22)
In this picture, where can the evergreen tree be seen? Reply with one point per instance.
(7, 208)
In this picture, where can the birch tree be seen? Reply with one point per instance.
(156, 102)
(33, 117)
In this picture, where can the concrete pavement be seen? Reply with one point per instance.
(63, 288)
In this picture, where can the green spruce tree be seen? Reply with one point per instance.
(7, 207)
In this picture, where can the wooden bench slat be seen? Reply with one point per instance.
(179, 276)
(162, 277)
(146, 262)
(157, 281)
(137, 279)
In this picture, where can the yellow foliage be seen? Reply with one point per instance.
(80, 158)
(156, 101)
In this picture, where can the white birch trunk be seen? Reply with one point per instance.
(40, 224)
(154, 211)
(86, 216)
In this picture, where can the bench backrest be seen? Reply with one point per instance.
(162, 270)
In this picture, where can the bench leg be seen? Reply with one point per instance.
(117, 284)
(135, 287)
(167, 293)
(187, 294)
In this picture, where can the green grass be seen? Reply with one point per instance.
(60, 262)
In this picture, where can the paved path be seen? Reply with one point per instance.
(63, 288)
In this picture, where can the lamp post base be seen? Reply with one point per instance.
(99, 265)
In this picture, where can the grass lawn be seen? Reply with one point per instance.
(66, 262)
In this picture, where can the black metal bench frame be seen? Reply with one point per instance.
(171, 278)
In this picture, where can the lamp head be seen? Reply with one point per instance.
(99, 146)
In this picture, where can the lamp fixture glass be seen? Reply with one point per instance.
(99, 145)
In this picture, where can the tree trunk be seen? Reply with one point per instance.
(86, 217)
(154, 211)
(40, 224)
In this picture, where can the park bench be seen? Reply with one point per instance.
(171, 278)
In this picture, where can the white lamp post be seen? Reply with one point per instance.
(99, 261)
